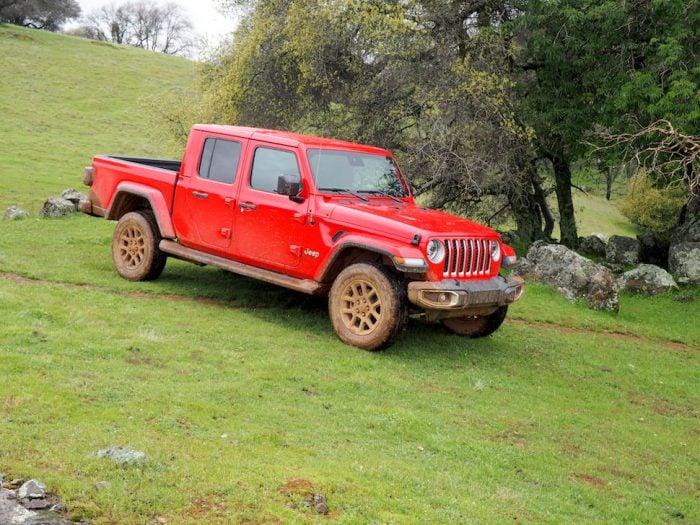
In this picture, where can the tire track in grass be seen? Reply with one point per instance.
(544, 325)
(618, 336)
(22, 279)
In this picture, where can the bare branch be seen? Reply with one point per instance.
(661, 149)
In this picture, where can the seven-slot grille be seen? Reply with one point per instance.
(467, 257)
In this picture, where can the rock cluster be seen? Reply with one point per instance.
(574, 276)
(53, 207)
(66, 204)
(656, 254)
(577, 277)
(684, 253)
(28, 503)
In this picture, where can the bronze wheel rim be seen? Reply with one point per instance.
(132, 247)
(361, 308)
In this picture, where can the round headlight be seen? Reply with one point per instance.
(495, 250)
(436, 251)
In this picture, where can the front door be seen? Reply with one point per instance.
(269, 225)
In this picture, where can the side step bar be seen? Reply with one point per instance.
(306, 286)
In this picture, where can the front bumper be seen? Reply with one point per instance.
(466, 296)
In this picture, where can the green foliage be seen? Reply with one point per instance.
(604, 64)
(425, 79)
(637, 69)
(652, 206)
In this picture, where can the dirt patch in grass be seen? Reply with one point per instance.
(301, 495)
(663, 407)
(593, 481)
(206, 508)
(297, 487)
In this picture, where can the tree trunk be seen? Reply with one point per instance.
(609, 178)
(567, 220)
(527, 217)
(541, 200)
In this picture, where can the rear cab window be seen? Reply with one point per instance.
(220, 159)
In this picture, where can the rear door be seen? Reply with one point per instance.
(269, 225)
(209, 194)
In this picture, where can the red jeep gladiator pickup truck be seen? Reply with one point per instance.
(315, 215)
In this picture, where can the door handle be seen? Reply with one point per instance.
(200, 195)
(247, 206)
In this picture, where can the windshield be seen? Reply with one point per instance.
(351, 172)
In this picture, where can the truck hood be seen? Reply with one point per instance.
(403, 221)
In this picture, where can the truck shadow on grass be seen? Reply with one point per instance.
(305, 314)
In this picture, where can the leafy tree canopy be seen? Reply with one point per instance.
(472, 94)
(42, 14)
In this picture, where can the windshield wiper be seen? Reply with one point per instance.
(381, 193)
(345, 191)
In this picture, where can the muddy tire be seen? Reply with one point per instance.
(135, 249)
(477, 326)
(367, 306)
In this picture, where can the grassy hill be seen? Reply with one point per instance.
(65, 99)
(245, 402)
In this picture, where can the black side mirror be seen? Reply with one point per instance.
(290, 185)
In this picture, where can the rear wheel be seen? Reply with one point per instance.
(135, 250)
(367, 306)
(476, 326)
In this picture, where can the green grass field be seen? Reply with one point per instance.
(244, 400)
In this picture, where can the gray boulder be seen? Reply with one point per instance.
(15, 213)
(57, 207)
(653, 249)
(11, 511)
(122, 455)
(14, 511)
(622, 250)
(684, 254)
(74, 196)
(688, 229)
(684, 262)
(593, 245)
(647, 279)
(32, 489)
(574, 276)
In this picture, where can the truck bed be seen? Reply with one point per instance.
(151, 175)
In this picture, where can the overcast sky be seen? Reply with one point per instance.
(207, 21)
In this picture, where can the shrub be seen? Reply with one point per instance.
(648, 206)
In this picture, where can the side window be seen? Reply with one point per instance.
(220, 160)
(269, 164)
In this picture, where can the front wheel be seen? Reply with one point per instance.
(135, 250)
(476, 326)
(367, 306)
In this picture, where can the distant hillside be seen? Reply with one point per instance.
(64, 99)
